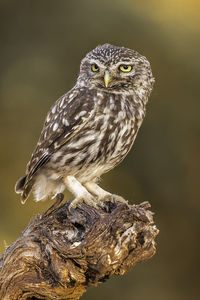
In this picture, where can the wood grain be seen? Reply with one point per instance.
(62, 252)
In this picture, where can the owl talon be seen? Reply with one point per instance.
(107, 198)
(87, 200)
(108, 206)
(117, 198)
(109, 202)
(113, 199)
(100, 206)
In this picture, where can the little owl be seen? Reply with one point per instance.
(90, 129)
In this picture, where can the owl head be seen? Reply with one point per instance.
(115, 69)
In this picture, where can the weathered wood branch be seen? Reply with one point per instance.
(62, 252)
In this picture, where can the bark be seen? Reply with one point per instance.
(62, 252)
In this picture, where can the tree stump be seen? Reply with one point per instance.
(63, 251)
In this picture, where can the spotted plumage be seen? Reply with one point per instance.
(90, 130)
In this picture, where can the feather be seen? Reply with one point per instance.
(20, 184)
(64, 120)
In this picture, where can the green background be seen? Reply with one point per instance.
(41, 45)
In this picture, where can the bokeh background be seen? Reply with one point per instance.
(41, 45)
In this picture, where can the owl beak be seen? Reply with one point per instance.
(107, 78)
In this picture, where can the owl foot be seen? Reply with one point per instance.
(87, 199)
(106, 198)
(113, 199)
(109, 202)
(102, 195)
(119, 199)
(80, 192)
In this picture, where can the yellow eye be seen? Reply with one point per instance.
(125, 68)
(94, 68)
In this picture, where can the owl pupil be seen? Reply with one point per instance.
(125, 67)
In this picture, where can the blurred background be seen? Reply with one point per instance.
(41, 45)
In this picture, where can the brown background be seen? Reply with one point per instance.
(41, 44)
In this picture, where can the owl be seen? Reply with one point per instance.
(91, 128)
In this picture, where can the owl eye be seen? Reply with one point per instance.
(94, 68)
(125, 68)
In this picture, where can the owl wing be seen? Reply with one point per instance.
(66, 117)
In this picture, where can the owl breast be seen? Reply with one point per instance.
(103, 143)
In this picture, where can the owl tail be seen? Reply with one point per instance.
(23, 188)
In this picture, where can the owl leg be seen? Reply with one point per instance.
(79, 191)
(101, 194)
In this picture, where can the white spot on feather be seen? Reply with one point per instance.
(53, 109)
(48, 118)
(121, 115)
(62, 101)
(45, 134)
(71, 95)
(66, 135)
(82, 113)
(65, 122)
(55, 126)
